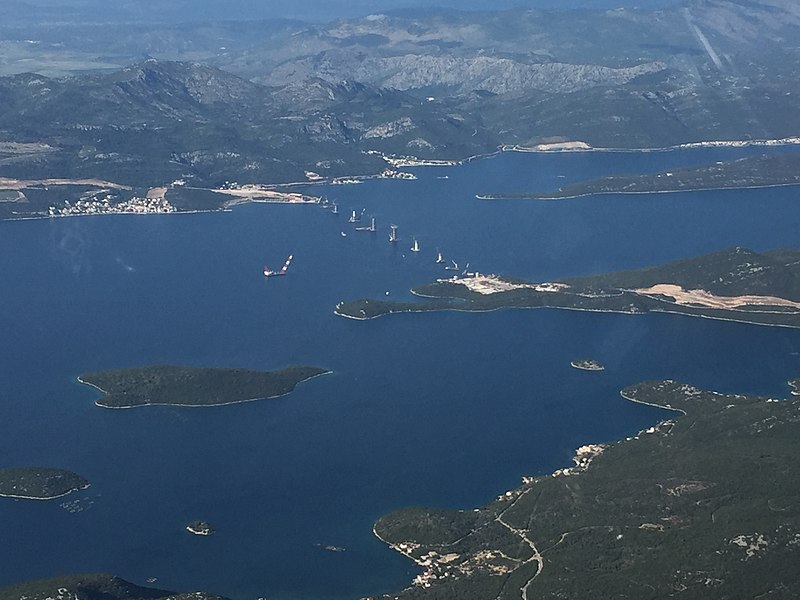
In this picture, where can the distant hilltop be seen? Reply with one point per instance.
(284, 98)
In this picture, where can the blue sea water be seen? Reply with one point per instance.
(444, 409)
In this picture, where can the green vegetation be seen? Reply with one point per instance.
(755, 171)
(705, 504)
(183, 199)
(731, 272)
(39, 483)
(93, 587)
(728, 273)
(9, 196)
(188, 386)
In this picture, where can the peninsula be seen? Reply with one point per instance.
(189, 386)
(736, 284)
(751, 172)
(703, 503)
(39, 483)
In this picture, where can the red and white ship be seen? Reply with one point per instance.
(270, 273)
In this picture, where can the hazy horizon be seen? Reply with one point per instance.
(76, 11)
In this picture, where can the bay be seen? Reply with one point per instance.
(446, 409)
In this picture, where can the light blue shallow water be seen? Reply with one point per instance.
(443, 409)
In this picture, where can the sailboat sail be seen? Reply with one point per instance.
(370, 227)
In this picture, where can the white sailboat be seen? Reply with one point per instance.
(393, 234)
(370, 227)
(439, 257)
(415, 246)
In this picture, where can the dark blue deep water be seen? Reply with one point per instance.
(444, 409)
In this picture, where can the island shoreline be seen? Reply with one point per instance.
(573, 308)
(543, 198)
(503, 148)
(14, 497)
(97, 402)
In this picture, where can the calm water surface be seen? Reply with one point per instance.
(443, 409)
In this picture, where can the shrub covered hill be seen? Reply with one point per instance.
(703, 505)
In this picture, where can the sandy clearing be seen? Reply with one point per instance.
(707, 299)
(491, 284)
(257, 193)
(156, 192)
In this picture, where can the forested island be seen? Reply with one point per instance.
(39, 483)
(703, 504)
(190, 386)
(750, 172)
(200, 528)
(736, 284)
(587, 364)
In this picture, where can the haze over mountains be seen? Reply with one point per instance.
(24, 12)
(267, 101)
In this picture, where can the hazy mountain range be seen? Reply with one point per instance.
(269, 100)
(26, 12)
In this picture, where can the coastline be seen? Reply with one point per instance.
(581, 460)
(117, 214)
(630, 398)
(543, 198)
(411, 162)
(97, 402)
(560, 146)
(101, 390)
(48, 497)
(395, 548)
(575, 308)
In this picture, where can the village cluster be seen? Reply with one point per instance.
(98, 206)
